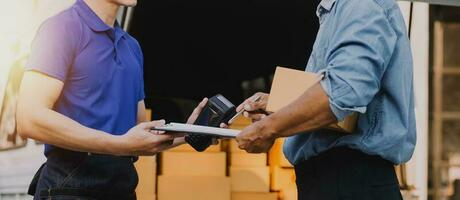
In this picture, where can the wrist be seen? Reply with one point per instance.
(267, 127)
(116, 145)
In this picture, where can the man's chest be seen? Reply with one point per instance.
(101, 62)
(321, 47)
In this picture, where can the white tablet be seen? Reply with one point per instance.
(196, 129)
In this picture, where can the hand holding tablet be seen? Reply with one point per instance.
(200, 130)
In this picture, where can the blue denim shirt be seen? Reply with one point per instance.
(364, 52)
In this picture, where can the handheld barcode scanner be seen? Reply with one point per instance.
(218, 110)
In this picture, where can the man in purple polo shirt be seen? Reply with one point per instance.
(82, 95)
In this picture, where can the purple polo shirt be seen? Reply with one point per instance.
(101, 68)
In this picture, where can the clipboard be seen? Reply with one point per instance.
(196, 129)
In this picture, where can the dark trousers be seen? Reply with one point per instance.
(72, 175)
(346, 174)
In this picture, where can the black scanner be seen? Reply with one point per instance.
(218, 110)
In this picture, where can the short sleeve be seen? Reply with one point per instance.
(359, 53)
(140, 57)
(141, 90)
(54, 48)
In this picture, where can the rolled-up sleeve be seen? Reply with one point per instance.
(358, 54)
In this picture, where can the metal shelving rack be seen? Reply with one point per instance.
(439, 114)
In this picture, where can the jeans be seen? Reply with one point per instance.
(346, 174)
(73, 175)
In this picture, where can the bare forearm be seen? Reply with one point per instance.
(309, 112)
(50, 127)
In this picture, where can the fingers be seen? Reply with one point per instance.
(176, 134)
(254, 106)
(156, 132)
(251, 104)
(196, 112)
(159, 139)
(203, 102)
(254, 117)
(248, 100)
(223, 125)
(215, 141)
(157, 148)
(165, 144)
(152, 124)
(200, 106)
(252, 140)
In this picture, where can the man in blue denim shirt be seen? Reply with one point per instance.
(363, 50)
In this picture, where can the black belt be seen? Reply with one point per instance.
(59, 152)
(85, 193)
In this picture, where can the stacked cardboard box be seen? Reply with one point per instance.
(202, 187)
(249, 173)
(146, 169)
(191, 175)
(282, 173)
(187, 174)
(254, 196)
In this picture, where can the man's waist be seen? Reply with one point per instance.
(57, 153)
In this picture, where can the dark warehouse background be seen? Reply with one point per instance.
(196, 49)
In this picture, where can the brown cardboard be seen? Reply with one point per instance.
(148, 114)
(146, 168)
(146, 196)
(289, 84)
(193, 188)
(282, 178)
(250, 179)
(254, 196)
(289, 194)
(192, 163)
(240, 123)
(234, 147)
(276, 156)
(248, 160)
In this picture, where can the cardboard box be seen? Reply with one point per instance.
(146, 196)
(188, 148)
(146, 168)
(289, 84)
(250, 179)
(248, 160)
(193, 188)
(148, 115)
(288, 194)
(282, 178)
(191, 163)
(234, 147)
(240, 123)
(254, 196)
(276, 156)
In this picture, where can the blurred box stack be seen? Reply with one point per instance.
(282, 173)
(146, 168)
(191, 175)
(249, 173)
(187, 174)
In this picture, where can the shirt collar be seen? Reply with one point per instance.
(324, 6)
(90, 18)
